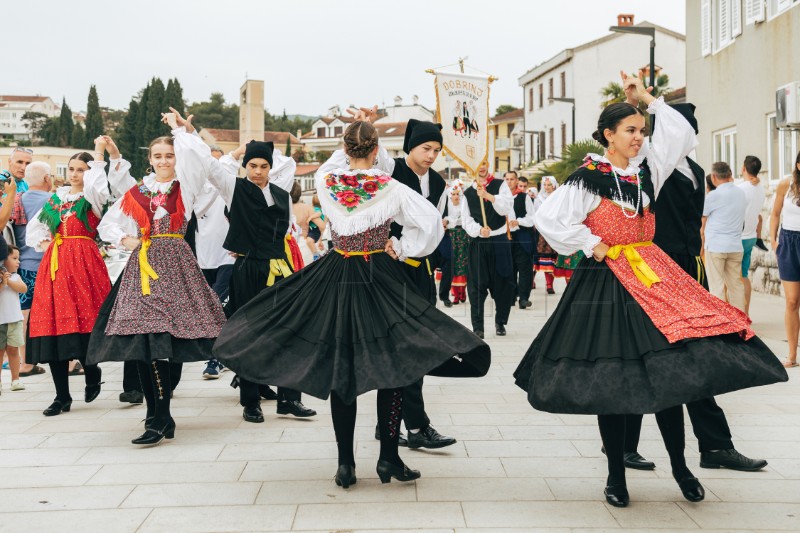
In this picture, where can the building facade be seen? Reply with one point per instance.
(740, 54)
(580, 73)
(13, 108)
(509, 140)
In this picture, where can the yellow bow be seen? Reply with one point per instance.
(57, 241)
(640, 268)
(277, 267)
(146, 271)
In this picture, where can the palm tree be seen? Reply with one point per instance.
(613, 92)
(571, 158)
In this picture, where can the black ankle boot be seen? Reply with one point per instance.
(91, 393)
(345, 476)
(617, 495)
(156, 432)
(387, 471)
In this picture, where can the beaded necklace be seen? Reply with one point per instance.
(157, 198)
(639, 189)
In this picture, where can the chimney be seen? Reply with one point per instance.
(624, 20)
(299, 133)
(398, 101)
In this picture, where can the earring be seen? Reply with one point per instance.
(148, 170)
(347, 160)
(612, 150)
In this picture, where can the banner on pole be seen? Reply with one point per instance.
(462, 107)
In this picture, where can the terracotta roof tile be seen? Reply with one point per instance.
(511, 115)
(15, 98)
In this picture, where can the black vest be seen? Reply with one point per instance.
(258, 230)
(493, 219)
(519, 205)
(679, 212)
(406, 176)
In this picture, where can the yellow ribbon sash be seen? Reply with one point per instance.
(277, 267)
(146, 271)
(640, 268)
(58, 240)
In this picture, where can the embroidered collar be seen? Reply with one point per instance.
(352, 188)
(605, 166)
(155, 186)
(598, 176)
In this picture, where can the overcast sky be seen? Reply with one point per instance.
(311, 53)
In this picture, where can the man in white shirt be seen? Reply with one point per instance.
(723, 222)
(754, 191)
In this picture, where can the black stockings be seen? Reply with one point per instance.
(390, 412)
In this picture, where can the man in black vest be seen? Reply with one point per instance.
(259, 213)
(679, 213)
(522, 240)
(490, 265)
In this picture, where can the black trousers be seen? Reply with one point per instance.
(523, 271)
(219, 279)
(444, 262)
(490, 271)
(708, 423)
(414, 414)
(421, 277)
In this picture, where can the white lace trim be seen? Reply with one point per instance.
(65, 196)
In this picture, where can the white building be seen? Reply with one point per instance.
(326, 132)
(580, 73)
(13, 107)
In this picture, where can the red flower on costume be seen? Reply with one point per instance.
(330, 180)
(382, 178)
(350, 181)
(604, 167)
(370, 187)
(348, 198)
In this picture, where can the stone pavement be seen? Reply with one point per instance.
(513, 469)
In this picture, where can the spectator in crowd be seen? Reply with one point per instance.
(39, 182)
(18, 161)
(723, 221)
(754, 192)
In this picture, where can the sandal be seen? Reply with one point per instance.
(788, 363)
(77, 371)
(33, 371)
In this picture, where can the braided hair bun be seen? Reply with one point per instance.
(360, 139)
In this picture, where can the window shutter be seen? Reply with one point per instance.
(705, 26)
(724, 23)
(754, 11)
(736, 17)
(783, 5)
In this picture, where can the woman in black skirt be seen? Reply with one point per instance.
(633, 332)
(348, 323)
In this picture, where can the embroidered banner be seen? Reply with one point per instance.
(462, 107)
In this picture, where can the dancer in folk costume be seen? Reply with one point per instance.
(521, 228)
(161, 308)
(73, 280)
(545, 255)
(491, 265)
(460, 241)
(422, 144)
(260, 214)
(331, 333)
(655, 338)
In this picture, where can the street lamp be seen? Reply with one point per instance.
(569, 101)
(643, 30)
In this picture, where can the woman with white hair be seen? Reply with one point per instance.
(545, 260)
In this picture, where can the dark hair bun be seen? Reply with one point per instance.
(598, 136)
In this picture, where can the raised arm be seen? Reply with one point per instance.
(282, 172)
(95, 181)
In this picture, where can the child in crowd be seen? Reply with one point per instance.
(11, 336)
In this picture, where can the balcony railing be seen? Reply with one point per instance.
(502, 144)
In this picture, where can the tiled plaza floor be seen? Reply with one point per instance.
(513, 469)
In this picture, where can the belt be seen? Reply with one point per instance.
(414, 263)
(640, 268)
(365, 253)
(146, 271)
(57, 241)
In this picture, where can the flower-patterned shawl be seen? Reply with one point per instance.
(356, 200)
(597, 176)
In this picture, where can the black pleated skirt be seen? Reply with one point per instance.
(599, 353)
(347, 325)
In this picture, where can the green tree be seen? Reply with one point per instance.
(94, 119)
(288, 150)
(504, 108)
(571, 158)
(35, 123)
(50, 132)
(173, 97)
(128, 140)
(215, 113)
(153, 127)
(65, 125)
(78, 136)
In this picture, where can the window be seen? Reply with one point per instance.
(773, 153)
(338, 130)
(530, 98)
(725, 146)
(321, 132)
(541, 95)
(550, 90)
(720, 23)
(563, 136)
(552, 141)
(509, 129)
(754, 11)
(563, 85)
(61, 171)
(776, 7)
